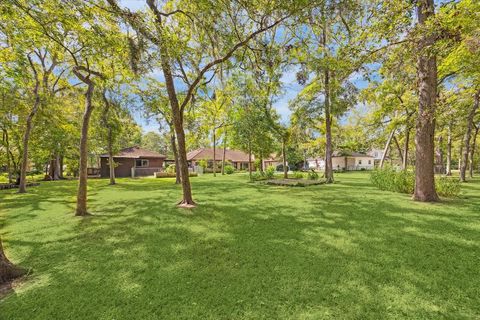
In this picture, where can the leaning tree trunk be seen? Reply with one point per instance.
(22, 188)
(8, 271)
(387, 146)
(400, 152)
(467, 137)
(472, 151)
(427, 90)
(177, 118)
(83, 172)
(175, 156)
(449, 151)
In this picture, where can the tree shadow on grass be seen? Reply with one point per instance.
(250, 252)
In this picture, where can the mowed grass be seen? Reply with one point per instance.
(249, 251)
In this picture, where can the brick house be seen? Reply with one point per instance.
(133, 162)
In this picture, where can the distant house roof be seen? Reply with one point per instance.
(135, 153)
(350, 154)
(207, 154)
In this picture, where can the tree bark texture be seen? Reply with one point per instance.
(427, 91)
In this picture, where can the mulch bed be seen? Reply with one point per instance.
(294, 182)
(4, 186)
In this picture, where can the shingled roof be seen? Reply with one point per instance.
(135, 153)
(207, 154)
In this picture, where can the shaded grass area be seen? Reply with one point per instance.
(248, 251)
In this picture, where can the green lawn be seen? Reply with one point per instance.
(249, 251)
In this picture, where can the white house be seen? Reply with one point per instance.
(349, 161)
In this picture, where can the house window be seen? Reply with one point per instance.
(359, 161)
(369, 161)
(141, 163)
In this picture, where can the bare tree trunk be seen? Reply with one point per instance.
(81, 209)
(224, 150)
(400, 152)
(111, 163)
(284, 159)
(406, 147)
(9, 159)
(214, 167)
(387, 146)
(472, 151)
(427, 89)
(22, 188)
(328, 124)
(449, 151)
(467, 137)
(440, 155)
(249, 161)
(61, 168)
(8, 271)
(175, 156)
(56, 171)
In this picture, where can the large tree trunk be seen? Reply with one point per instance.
(56, 167)
(177, 118)
(284, 159)
(328, 119)
(175, 156)
(83, 173)
(427, 89)
(449, 151)
(406, 147)
(467, 137)
(472, 151)
(387, 146)
(22, 188)
(328, 133)
(8, 271)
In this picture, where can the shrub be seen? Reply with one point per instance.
(404, 182)
(391, 180)
(258, 175)
(312, 175)
(447, 186)
(170, 168)
(203, 163)
(229, 169)
(270, 172)
(297, 175)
